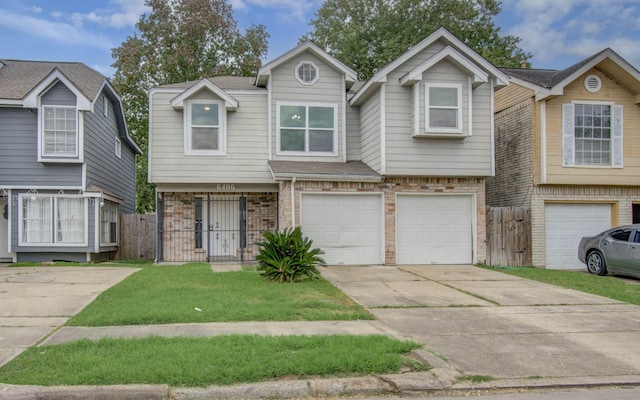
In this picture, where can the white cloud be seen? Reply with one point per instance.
(36, 9)
(51, 30)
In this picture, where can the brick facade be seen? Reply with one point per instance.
(390, 187)
(621, 199)
(179, 224)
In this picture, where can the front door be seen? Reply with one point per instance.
(4, 230)
(224, 228)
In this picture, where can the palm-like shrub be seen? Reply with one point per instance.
(288, 256)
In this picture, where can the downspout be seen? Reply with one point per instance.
(293, 202)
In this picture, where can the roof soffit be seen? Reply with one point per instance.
(31, 100)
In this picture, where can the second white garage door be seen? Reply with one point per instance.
(348, 228)
(565, 224)
(434, 229)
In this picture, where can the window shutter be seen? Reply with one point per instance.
(568, 136)
(616, 136)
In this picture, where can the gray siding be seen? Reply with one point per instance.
(19, 164)
(328, 89)
(59, 95)
(353, 134)
(370, 132)
(247, 144)
(424, 156)
(104, 168)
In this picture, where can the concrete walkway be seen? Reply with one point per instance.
(522, 334)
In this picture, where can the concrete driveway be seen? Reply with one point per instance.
(488, 323)
(34, 301)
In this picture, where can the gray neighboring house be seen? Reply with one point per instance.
(388, 171)
(67, 163)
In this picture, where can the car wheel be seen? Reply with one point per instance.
(596, 264)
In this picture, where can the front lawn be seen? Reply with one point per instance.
(193, 293)
(606, 286)
(201, 362)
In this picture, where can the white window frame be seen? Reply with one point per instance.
(427, 107)
(42, 155)
(108, 209)
(117, 146)
(53, 223)
(615, 138)
(301, 78)
(105, 106)
(222, 130)
(307, 152)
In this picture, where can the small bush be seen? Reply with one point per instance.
(287, 256)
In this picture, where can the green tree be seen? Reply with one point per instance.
(179, 40)
(368, 34)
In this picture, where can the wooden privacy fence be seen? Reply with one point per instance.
(137, 237)
(509, 236)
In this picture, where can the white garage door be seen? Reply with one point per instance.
(434, 229)
(348, 228)
(565, 224)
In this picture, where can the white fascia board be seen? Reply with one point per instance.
(31, 100)
(479, 76)
(265, 71)
(231, 103)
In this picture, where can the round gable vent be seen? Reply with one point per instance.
(592, 83)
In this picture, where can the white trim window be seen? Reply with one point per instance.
(105, 106)
(307, 73)
(108, 223)
(53, 220)
(117, 147)
(305, 129)
(592, 134)
(443, 107)
(204, 127)
(59, 133)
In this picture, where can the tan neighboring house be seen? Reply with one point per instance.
(568, 146)
(387, 171)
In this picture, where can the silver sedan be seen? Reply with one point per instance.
(615, 250)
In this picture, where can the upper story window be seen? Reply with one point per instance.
(592, 134)
(307, 73)
(307, 128)
(117, 147)
(204, 126)
(105, 106)
(58, 220)
(59, 134)
(443, 103)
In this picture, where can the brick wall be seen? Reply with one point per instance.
(390, 187)
(512, 186)
(621, 198)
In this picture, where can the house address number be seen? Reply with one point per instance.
(226, 186)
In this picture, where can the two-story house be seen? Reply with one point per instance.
(387, 171)
(67, 163)
(568, 147)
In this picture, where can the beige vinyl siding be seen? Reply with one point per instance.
(353, 133)
(328, 89)
(611, 91)
(370, 132)
(426, 156)
(246, 150)
(511, 94)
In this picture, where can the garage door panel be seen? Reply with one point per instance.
(434, 229)
(565, 224)
(348, 228)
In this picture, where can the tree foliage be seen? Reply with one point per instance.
(178, 41)
(368, 34)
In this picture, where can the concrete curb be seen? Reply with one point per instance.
(415, 383)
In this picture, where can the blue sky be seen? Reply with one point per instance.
(557, 32)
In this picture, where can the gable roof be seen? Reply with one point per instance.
(265, 71)
(21, 82)
(547, 82)
(205, 84)
(461, 50)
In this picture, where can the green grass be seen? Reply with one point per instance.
(175, 294)
(606, 286)
(199, 362)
